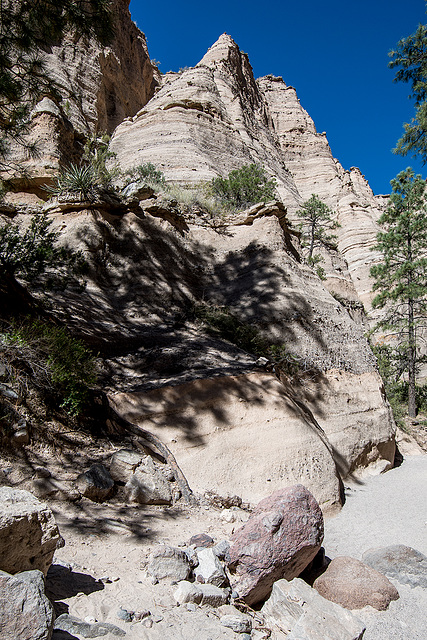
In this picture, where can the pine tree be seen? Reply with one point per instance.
(316, 222)
(410, 56)
(401, 278)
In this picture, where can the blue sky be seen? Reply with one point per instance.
(333, 52)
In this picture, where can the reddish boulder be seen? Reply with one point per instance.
(354, 585)
(281, 537)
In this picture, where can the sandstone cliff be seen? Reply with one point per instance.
(99, 88)
(233, 425)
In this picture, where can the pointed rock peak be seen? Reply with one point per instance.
(223, 49)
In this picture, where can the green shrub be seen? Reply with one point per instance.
(146, 172)
(52, 360)
(245, 186)
(34, 256)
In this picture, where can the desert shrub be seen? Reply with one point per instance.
(51, 359)
(245, 186)
(146, 172)
(33, 255)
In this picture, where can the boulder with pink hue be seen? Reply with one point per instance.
(280, 539)
(353, 585)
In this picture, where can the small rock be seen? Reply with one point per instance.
(169, 562)
(147, 622)
(148, 486)
(238, 623)
(201, 540)
(123, 464)
(74, 625)
(212, 595)
(125, 615)
(209, 570)
(187, 592)
(221, 549)
(190, 606)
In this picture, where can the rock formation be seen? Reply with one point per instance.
(153, 261)
(99, 86)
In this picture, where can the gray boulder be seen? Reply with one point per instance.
(148, 486)
(25, 611)
(187, 592)
(405, 564)
(96, 483)
(354, 585)
(123, 464)
(281, 537)
(28, 532)
(169, 562)
(72, 625)
(299, 609)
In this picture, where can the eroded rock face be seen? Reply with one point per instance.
(353, 585)
(100, 87)
(281, 537)
(28, 532)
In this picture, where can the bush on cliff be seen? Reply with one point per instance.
(245, 186)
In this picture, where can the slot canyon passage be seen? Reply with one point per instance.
(196, 438)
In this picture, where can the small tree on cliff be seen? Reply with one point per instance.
(315, 226)
(401, 278)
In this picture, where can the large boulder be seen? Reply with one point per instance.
(28, 532)
(123, 464)
(299, 609)
(405, 564)
(354, 585)
(281, 537)
(25, 611)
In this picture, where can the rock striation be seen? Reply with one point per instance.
(99, 87)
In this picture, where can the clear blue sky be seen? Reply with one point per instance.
(333, 52)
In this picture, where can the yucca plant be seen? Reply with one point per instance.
(76, 180)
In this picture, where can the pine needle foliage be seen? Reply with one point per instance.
(410, 58)
(27, 27)
(401, 277)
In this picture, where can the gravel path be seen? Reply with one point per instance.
(385, 510)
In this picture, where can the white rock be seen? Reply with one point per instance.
(187, 592)
(28, 532)
(296, 607)
(209, 570)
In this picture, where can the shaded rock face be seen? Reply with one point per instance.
(28, 532)
(353, 585)
(101, 86)
(281, 537)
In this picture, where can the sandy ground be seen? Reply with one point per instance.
(385, 510)
(114, 541)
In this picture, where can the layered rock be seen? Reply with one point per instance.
(99, 87)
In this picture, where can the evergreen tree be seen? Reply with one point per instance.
(401, 277)
(410, 55)
(27, 27)
(316, 222)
